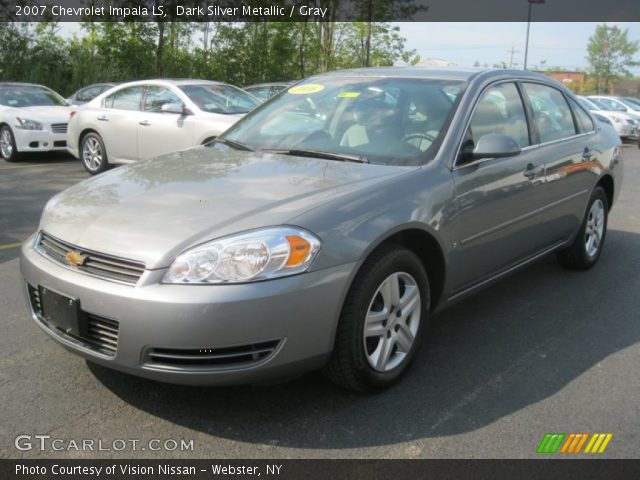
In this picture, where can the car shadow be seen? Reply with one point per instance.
(508, 347)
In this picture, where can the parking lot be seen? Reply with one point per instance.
(547, 350)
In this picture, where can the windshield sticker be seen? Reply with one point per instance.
(306, 89)
(12, 102)
(348, 94)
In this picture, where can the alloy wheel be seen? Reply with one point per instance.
(92, 153)
(595, 228)
(6, 143)
(392, 321)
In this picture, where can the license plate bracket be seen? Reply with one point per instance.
(61, 311)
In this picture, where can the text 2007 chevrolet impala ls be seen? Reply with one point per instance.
(324, 228)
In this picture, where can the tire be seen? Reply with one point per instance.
(357, 362)
(8, 150)
(585, 250)
(93, 154)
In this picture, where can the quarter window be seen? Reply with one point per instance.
(551, 113)
(156, 97)
(584, 120)
(499, 110)
(125, 99)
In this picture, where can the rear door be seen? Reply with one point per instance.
(569, 151)
(118, 122)
(497, 199)
(161, 132)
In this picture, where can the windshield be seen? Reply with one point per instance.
(29, 96)
(218, 98)
(398, 121)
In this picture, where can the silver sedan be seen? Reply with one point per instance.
(324, 229)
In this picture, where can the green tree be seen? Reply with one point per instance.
(610, 54)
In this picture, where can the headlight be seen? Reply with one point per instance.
(246, 257)
(26, 124)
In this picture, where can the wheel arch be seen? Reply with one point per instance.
(425, 245)
(608, 185)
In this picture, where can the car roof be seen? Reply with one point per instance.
(171, 81)
(21, 84)
(461, 74)
(270, 84)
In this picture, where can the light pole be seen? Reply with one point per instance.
(526, 45)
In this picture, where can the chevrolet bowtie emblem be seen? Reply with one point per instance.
(75, 258)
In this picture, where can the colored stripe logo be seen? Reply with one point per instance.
(574, 442)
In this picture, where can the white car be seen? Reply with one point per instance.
(625, 125)
(140, 120)
(33, 118)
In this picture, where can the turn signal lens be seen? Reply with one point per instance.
(299, 250)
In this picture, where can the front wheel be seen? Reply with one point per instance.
(8, 149)
(93, 154)
(585, 250)
(381, 323)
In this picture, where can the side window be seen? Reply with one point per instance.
(584, 120)
(499, 110)
(551, 113)
(125, 99)
(156, 97)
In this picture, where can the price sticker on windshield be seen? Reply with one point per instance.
(306, 89)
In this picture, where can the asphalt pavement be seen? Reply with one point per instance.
(546, 350)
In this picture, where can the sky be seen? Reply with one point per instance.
(560, 44)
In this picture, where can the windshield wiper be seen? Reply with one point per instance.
(233, 144)
(343, 157)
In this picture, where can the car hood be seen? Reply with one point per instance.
(53, 114)
(153, 210)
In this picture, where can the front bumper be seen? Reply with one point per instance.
(300, 312)
(39, 140)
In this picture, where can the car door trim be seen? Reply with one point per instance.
(506, 271)
(522, 217)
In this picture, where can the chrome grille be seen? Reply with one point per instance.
(100, 334)
(97, 264)
(59, 127)
(239, 356)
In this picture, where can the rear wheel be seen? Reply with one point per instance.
(585, 250)
(93, 154)
(8, 149)
(382, 321)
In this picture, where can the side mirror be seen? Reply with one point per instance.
(495, 145)
(173, 107)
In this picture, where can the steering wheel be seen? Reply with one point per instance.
(421, 136)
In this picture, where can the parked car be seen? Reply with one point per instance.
(33, 118)
(265, 91)
(144, 119)
(89, 92)
(616, 104)
(633, 101)
(324, 229)
(624, 124)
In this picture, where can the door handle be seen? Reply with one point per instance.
(144, 123)
(532, 171)
(103, 118)
(587, 154)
